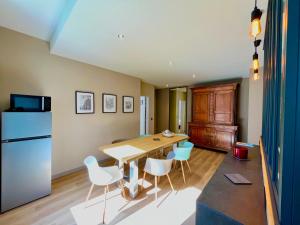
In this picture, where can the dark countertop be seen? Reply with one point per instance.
(244, 203)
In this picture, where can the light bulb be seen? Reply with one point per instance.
(255, 27)
(256, 76)
(255, 64)
(255, 21)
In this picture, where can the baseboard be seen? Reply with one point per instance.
(58, 175)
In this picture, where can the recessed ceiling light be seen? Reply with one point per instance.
(170, 63)
(194, 76)
(121, 36)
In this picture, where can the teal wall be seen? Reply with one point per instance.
(281, 108)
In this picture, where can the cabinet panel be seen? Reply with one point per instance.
(210, 134)
(193, 133)
(201, 103)
(213, 136)
(223, 107)
(224, 140)
(204, 136)
(199, 136)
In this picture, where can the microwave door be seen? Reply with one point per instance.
(30, 103)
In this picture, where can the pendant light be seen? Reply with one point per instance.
(255, 21)
(255, 75)
(255, 61)
(255, 30)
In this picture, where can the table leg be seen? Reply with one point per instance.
(121, 167)
(162, 152)
(175, 146)
(133, 178)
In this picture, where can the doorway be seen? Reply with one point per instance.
(178, 110)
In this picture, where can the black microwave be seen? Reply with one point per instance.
(30, 103)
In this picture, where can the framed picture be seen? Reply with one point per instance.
(128, 104)
(109, 103)
(84, 102)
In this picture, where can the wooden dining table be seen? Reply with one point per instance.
(130, 151)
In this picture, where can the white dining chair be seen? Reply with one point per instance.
(158, 168)
(103, 176)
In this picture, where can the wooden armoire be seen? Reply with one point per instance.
(214, 116)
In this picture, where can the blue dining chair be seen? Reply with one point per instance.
(182, 153)
(182, 142)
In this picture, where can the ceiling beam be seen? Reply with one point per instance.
(62, 21)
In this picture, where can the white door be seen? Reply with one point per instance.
(144, 115)
(181, 116)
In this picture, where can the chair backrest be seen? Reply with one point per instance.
(188, 144)
(184, 151)
(96, 174)
(158, 167)
(181, 134)
(182, 142)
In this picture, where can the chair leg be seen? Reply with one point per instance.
(188, 166)
(105, 191)
(90, 192)
(155, 188)
(170, 182)
(175, 162)
(144, 177)
(182, 171)
(116, 163)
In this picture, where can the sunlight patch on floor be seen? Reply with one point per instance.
(172, 208)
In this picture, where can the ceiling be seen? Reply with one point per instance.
(172, 42)
(33, 17)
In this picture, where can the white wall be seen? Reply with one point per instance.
(243, 110)
(255, 109)
(161, 110)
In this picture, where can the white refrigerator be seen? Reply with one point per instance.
(26, 144)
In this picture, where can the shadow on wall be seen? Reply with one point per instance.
(21, 86)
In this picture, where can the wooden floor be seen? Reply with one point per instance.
(72, 190)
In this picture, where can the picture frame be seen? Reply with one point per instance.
(84, 102)
(109, 103)
(128, 104)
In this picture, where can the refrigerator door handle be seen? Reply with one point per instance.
(26, 139)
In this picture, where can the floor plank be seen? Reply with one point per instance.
(72, 189)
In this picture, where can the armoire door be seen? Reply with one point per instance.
(223, 107)
(201, 107)
(224, 139)
(200, 136)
